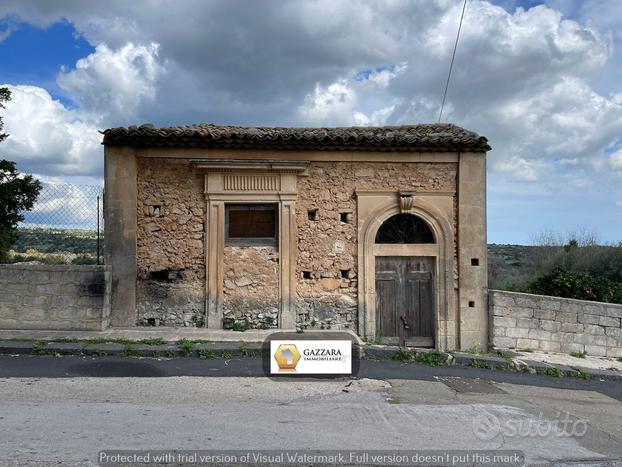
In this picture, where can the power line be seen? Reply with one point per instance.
(453, 57)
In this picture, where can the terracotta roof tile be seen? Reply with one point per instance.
(423, 137)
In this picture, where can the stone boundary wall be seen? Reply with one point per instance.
(538, 322)
(54, 297)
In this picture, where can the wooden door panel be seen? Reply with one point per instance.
(426, 307)
(386, 307)
(405, 299)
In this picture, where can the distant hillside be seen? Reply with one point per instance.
(56, 246)
(511, 266)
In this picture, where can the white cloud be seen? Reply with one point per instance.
(338, 103)
(45, 137)
(523, 79)
(615, 161)
(331, 105)
(115, 84)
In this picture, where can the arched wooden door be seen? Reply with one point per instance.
(405, 285)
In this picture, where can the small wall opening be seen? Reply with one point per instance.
(345, 217)
(471, 304)
(312, 214)
(474, 261)
(345, 273)
(155, 210)
(306, 275)
(167, 275)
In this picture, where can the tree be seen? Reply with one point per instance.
(17, 193)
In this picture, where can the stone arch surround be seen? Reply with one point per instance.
(436, 209)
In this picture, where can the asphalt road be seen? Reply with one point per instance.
(65, 410)
(68, 421)
(77, 366)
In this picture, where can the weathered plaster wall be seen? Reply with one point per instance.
(251, 287)
(170, 243)
(326, 221)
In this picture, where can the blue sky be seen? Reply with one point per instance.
(542, 80)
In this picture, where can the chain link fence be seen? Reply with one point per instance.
(65, 226)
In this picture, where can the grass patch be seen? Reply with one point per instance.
(475, 363)
(244, 349)
(206, 354)
(506, 355)
(226, 354)
(154, 341)
(186, 346)
(393, 401)
(432, 358)
(102, 340)
(578, 354)
(555, 372)
(620, 359)
(240, 326)
(39, 345)
(577, 373)
(403, 355)
(528, 350)
(128, 349)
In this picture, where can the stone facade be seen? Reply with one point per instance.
(169, 195)
(327, 221)
(170, 244)
(251, 287)
(553, 324)
(63, 297)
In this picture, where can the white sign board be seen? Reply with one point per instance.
(304, 357)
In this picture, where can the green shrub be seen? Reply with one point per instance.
(206, 354)
(403, 354)
(153, 341)
(561, 283)
(186, 346)
(433, 358)
(235, 325)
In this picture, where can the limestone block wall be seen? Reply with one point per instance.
(554, 324)
(170, 243)
(326, 218)
(59, 297)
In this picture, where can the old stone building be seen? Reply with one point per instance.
(377, 230)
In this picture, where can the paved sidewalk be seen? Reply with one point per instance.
(168, 334)
(587, 362)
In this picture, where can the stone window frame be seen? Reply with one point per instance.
(257, 181)
(374, 208)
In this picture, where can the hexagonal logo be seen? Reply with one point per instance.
(287, 357)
